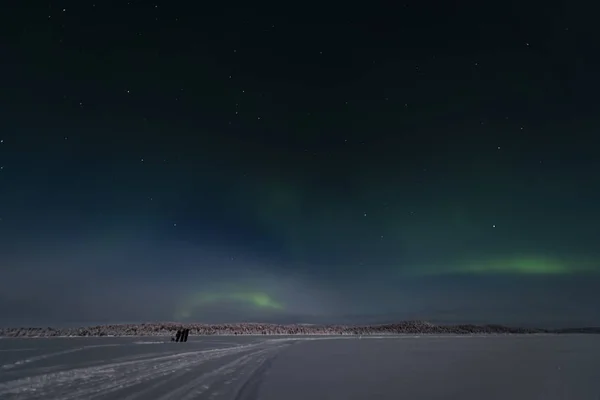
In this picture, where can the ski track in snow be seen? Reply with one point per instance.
(148, 342)
(170, 377)
(50, 355)
(11, 350)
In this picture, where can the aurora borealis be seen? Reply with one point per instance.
(171, 161)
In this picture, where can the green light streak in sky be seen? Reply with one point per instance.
(518, 265)
(255, 299)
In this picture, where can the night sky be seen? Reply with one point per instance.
(299, 163)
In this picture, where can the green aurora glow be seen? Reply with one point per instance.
(255, 299)
(517, 265)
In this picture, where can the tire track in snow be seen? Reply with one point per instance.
(94, 381)
(250, 388)
(225, 381)
(11, 350)
(170, 377)
(93, 363)
(50, 355)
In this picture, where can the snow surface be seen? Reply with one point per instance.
(275, 368)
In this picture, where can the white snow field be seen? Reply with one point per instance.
(288, 368)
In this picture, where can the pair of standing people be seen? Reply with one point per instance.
(182, 335)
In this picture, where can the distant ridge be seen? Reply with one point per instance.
(169, 328)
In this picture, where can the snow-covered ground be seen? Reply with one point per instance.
(288, 368)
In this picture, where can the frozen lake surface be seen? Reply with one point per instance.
(282, 368)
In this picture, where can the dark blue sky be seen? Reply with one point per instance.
(166, 161)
